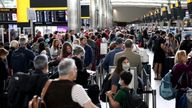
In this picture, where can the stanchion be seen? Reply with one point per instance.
(154, 98)
(153, 92)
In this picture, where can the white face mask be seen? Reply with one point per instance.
(126, 66)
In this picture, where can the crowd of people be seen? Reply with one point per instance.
(75, 53)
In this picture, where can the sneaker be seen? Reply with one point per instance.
(157, 78)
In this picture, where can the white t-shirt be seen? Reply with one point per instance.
(79, 95)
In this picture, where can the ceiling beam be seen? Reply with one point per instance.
(144, 3)
(2, 3)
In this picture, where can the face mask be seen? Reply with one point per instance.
(126, 66)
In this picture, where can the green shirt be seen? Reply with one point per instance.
(121, 97)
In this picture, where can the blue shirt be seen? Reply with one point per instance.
(109, 59)
(88, 55)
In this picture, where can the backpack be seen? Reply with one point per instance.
(38, 102)
(19, 61)
(134, 100)
(20, 90)
(166, 89)
(106, 86)
(93, 93)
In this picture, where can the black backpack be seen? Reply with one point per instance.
(93, 93)
(134, 100)
(19, 61)
(106, 86)
(20, 90)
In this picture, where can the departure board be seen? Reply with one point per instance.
(8, 15)
(189, 6)
(48, 3)
(51, 16)
(85, 11)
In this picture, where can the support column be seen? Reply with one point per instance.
(169, 13)
(93, 12)
(74, 14)
(101, 13)
(104, 13)
(109, 14)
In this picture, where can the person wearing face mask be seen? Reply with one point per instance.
(122, 65)
(126, 67)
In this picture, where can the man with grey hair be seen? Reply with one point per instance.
(82, 75)
(78, 50)
(63, 92)
(40, 63)
(134, 59)
(22, 57)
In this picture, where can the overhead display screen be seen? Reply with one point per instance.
(84, 10)
(189, 6)
(8, 15)
(51, 16)
(47, 3)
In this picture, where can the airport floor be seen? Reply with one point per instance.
(160, 102)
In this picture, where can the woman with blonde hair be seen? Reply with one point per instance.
(55, 49)
(182, 68)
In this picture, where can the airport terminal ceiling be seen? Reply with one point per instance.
(129, 10)
(141, 3)
(123, 10)
(144, 3)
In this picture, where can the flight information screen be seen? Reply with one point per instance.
(48, 3)
(51, 16)
(8, 15)
(85, 11)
